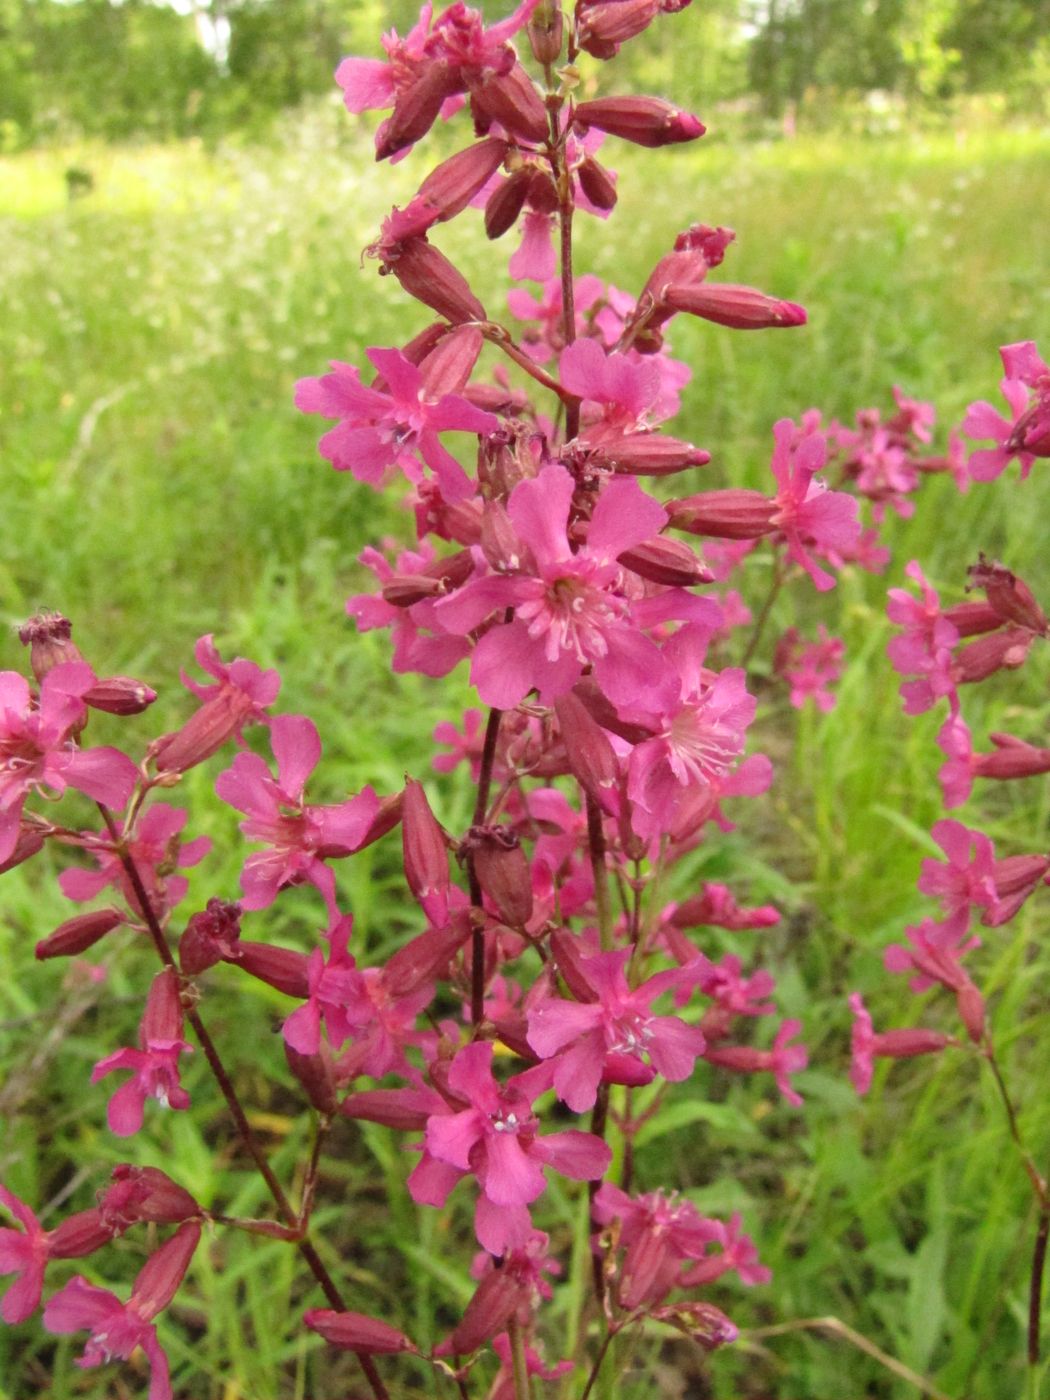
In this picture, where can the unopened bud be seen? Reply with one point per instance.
(546, 32)
(597, 183)
(79, 934)
(543, 192)
(1013, 758)
(160, 1277)
(1005, 650)
(568, 958)
(971, 619)
(283, 968)
(496, 1298)
(428, 276)
(648, 454)
(425, 853)
(733, 514)
(439, 577)
(79, 1235)
(162, 1018)
(453, 184)
(741, 308)
(512, 100)
(647, 121)
(28, 843)
(603, 27)
(352, 1331)
(120, 695)
(666, 561)
(416, 109)
(505, 203)
(425, 957)
(448, 365)
(971, 1010)
(212, 935)
(591, 756)
(144, 1194)
(316, 1075)
(1008, 595)
(502, 870)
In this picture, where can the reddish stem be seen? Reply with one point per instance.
(477, 944)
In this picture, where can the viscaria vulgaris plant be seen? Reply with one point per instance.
(555, 985)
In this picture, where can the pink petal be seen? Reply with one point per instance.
(297, 749)
(509, 1176)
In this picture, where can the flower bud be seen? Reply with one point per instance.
(48, 635)
(496, 1299)
(425, 853)
(502, 870)
(425, 957)
(162, 1018)
(416, 108)
(666, 561)
(404, 1110)
(428, 276)
(648, 454)
(597, 184)
(352, 1331)
(120, 695)
(741, 308)
(906, 1043)
(160, 1277)
(1008, 595)
(212, 935)
(708, 1326)
(546, 32)
(505, 203)
(78, 934)
(79, 1235)
(568, 958)
(1015, 879)
(283, 968)
(1005, 650)
(591, 756)
(971, 619)
(543, 192)
(512, 100)
(647, 121)
(144, 1194)
(28, 843)
(603, 26)
(316, 1075)
(436, 578)
(1013, 758)
(729, 515)
(448, 365)
(451, 185)
(971, 1010)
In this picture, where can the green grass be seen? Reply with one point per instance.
(159, 484)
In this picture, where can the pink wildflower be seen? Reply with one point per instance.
(896, 1045)
(1026, 434)
(967, 878)
(608, 1036)
(301, 838)
(810, 667)
(808, 515)
(658, 1234)
(925, 647)
(156, 851)
(155, 1065)
(395, 426)
(241, 696)
(782, 1060)
(117, 1328)
(38, 748)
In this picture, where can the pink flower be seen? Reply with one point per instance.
(782, 1060)
(156, 851)
(924, 649)
(155, 1065)
(300, 837)
(968, 876)
(117, 1328)
(569, 611)
(38, 747)
(241, 696)
(394, 426)
(658, 1233)
(497, 1139)
(810, 667)
(609, 1036)
(808, 515)
(26, 1252)
(897, 1045)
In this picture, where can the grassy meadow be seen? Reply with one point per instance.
(158, 484)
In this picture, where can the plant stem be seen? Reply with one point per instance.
(596, 847)
(233, 1103)
(592, 1378)
(763, 616)
(477, 943)
(519, 1361)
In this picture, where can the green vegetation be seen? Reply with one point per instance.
(159, 484)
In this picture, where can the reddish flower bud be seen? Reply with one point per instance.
(648, 454)
(546, 31)
(405, 1110)
(568, 957)
(403, 590)
(448, 365)
(451, 186)
(79, 1235)
(512, 100)
(49, 637)
(210, 936)
(416, 108)
(647, 121)
(385, 819)
(667, 561)
(1015, 879)
(742, 308)
(1005, 650)
(708, 1326)
(971, 1010)
(502, 870)
(591, 756)
(283, 968)
(496, 1299)
(425, 848)
(160, 1277)
(597, 183)
(316, 1074)
(505, 203)
(543, 192)
(1013, 758)
(729, 515)
(424, 957)
(602, 25)
(1008, 595)
(499, 539)
(144, 1194)
(78, 934)
(905, 1044)
(162, 1018)
(120, 695)
(971, 619)
(1031, 432)
(428, 276)
(28, 842)
(351, 1331)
